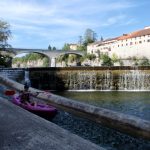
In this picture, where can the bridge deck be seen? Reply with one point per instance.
(22, 130)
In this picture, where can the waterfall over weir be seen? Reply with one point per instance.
(91, 78)
(134, 80)
(128, 80)
(83, 78)
(26, 78)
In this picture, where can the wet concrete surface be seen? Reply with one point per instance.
(20, 129)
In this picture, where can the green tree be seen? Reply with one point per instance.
(63, 58)
(91, 56)
(80, 40)
(54, 48)
(5, 61)
(144, 62)
(81, 48)
(135, 60)
(45, 62)
(106, 60)
(66, 47)
(89, 36)
(102, 39)
(114, 58)
(72, 58)
(5, 34)
(49, 48)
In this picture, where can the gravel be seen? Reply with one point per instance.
(98, 134)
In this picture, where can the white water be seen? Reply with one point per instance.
(135, 80)
(26, 78)
(130, 80)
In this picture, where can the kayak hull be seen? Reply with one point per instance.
(39, 109)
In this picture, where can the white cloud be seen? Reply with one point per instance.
(57, 12)
(113, 20)
(55, 18)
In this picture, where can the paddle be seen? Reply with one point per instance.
(9, 92)
(12, 92)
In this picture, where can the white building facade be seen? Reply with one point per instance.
(73, 46)
(135, 44)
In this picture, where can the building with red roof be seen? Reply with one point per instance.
(134, 44)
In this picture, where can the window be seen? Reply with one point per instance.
(148, 40)
(131, 43)
(140, 42)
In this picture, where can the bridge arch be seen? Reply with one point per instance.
(52, 55)
(31, 59)
(67, 53)
(68, 59)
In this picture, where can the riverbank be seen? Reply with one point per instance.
(21, 129)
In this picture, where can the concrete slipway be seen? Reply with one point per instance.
(22, 130)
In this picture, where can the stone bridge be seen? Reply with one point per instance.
(52, 55)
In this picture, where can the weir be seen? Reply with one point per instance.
(83, 78)
(91, 78)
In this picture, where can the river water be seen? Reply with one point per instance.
(127, 102)
(133, 103)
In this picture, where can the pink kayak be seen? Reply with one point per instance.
(42, 110)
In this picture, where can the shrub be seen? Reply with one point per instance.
(106, 60)
(144, 62)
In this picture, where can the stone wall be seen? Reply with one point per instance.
(16, 74)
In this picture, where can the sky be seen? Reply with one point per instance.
(40, 23)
